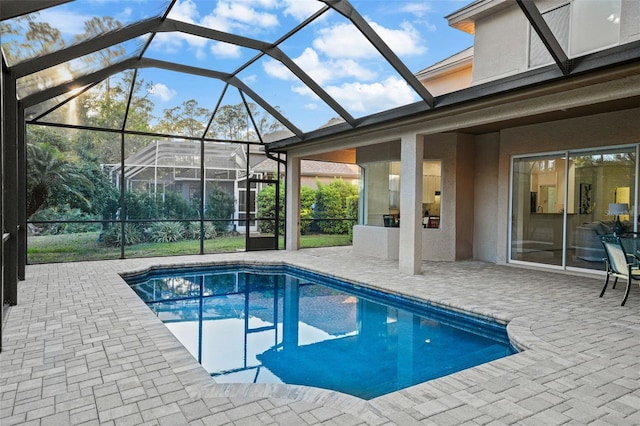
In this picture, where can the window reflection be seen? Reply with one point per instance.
(382, 193)
(545, 230)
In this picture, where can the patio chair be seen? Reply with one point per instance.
(621, 261)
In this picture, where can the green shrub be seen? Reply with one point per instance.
(165, 232)
(63, 213)
(175, 206)
(331, 203)
(141, 205)
(352, 211)
(266, 200)
(192, 230)
(132, 235)
(220, 205)
(267, 208)
(307, 199)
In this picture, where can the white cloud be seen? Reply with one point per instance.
(161, 91)
(311, 107)
(185, 11)
(325, 71)
(240, 15)
(126, 13)
(363, 98)
(172, 42)
(369, 98)
(250, 79)
(345, 41)
(301, 9)
(320, 71)
(417, 9)
(69, 23)
(225, 50)
(405, 41)
(275, 69)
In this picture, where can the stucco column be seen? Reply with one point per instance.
(292, 218)
(411, 157)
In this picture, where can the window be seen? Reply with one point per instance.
(381, 187)
(558, 21)
(431, 190)
(581, 27)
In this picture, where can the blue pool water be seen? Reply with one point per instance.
(279, 324)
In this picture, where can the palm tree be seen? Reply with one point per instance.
(47, 168)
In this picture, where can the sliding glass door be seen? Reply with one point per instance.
(561, 203)
(538, 209)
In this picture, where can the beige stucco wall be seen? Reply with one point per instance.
(485, 222)
(388, 151)
(465, 195)
(607, 129)
(500, 45)
(449, 82)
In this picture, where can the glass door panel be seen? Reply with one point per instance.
(596, 180)
(538, 209)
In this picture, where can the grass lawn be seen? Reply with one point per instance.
(85, 246)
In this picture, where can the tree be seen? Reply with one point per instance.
(25, 37)
(233, 122)
(48, 167)
(220, 205)
(187, 119)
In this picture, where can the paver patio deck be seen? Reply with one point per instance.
(82, 348)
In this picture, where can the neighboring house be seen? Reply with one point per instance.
(174, 166)
(165, 165)
(312, 172)
(521, 155)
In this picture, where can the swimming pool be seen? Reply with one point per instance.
(281, 324)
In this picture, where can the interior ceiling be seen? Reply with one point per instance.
(55, 94)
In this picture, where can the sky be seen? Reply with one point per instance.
(330, 50)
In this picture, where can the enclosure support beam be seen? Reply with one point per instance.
(411, 158)
(21, 131)
(292, 221)
(10, 170)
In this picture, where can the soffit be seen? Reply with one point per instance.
(464, 19)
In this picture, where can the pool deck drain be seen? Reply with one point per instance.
(82, 348)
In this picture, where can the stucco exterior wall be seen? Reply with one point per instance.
(498, 46)
(388, 151)
(485, 221)
(607, 129)
(630, 23)
(449, 82)
(465, 190)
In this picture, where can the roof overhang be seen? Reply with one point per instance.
(465, 19)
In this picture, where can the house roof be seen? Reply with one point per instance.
(315, 168)
(456, 61)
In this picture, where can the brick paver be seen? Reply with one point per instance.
(82, 348)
